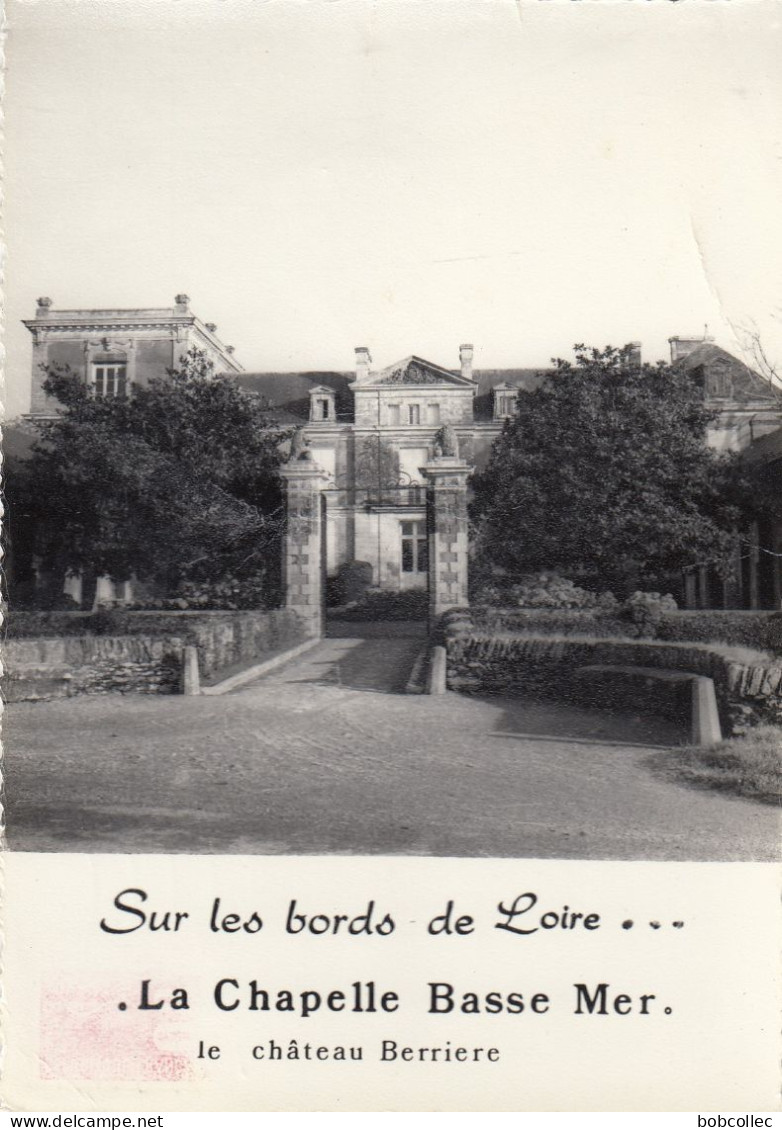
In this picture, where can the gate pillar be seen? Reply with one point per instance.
(446, 519)
(302, 562)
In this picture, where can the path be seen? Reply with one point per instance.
(326, 756)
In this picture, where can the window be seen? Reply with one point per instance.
(110, 381)
(414, 413)
(718, 383)
(393, 414)
(415, 547)
(504, 404)
(322, 405)
(434, 413)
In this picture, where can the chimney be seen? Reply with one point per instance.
(683, 346)
(632, 355)
(182, 303)
(363, 361)
(44, 305)
(465, 358)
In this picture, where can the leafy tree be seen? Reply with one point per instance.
(377, 467)
(605, 474)
(177, 483)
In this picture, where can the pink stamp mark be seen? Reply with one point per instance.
(85, 1035)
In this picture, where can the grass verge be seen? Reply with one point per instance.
(749, 766)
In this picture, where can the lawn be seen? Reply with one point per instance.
(750, 765)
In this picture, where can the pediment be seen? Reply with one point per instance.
(414, 371)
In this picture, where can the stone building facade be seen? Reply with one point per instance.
(114, 349)
(371, 432)
(748, 414)
(746, 406)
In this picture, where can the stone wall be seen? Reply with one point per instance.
(748, 683)
(227, 638)
(57, 668)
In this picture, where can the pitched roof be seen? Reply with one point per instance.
(488, 379)
(767, 449)
(745, 383)
(527, 379)
(288, 394)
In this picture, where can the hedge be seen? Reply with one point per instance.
(545, 621)
(760, 630)
(731, 626)
(410, 604)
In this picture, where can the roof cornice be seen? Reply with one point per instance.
(79, 321)
(82, 325)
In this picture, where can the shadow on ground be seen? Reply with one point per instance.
(365, 656)
(357, 666)
(376, 630)
(542, 720)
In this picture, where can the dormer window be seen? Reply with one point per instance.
(718, 383)
(505, 402)
(322, 405)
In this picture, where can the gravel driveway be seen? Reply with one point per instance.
(326, 755)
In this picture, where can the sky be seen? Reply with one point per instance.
(405, 174)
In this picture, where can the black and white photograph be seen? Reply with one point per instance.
(392, 467)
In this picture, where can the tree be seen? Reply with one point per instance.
(377, 468)
(179, 482)
(605, 474)
(762, 364)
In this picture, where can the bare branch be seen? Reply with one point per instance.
(752, 344)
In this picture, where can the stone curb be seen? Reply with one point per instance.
(257, 669)
(436, 681)
(416, 683)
